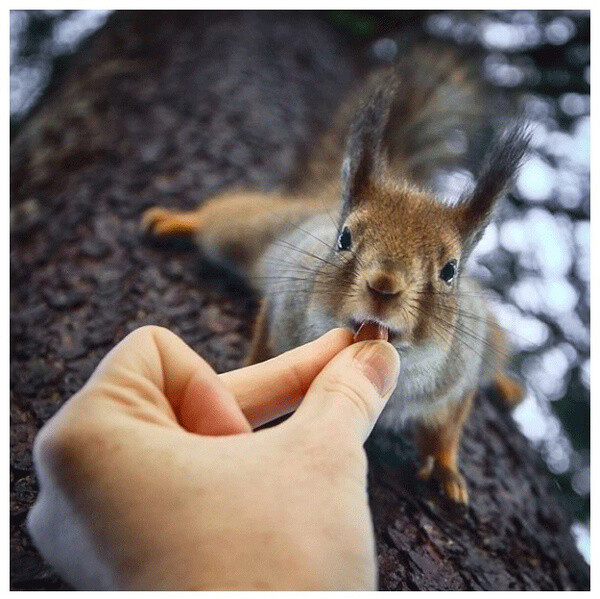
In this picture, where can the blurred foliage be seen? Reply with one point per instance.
(355, 23)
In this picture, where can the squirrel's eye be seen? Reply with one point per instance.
(448, 272)
(345, 240)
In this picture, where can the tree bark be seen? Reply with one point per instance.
(168, 108)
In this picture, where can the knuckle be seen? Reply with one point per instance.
(355, 393)
(147, 332)
(71, 439)
(58, 446)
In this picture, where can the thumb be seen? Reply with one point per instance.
(348, 395)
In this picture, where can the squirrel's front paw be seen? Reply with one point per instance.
(155, 220)
(451, 481)
(163, 223)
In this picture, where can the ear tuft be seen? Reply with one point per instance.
(499, 170)
(364, 154)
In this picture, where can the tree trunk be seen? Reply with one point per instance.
(168, 109)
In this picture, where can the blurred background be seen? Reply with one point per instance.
(535, 258)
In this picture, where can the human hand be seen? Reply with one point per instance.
(151, 477)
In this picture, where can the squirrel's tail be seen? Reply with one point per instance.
(436, 104)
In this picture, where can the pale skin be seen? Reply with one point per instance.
(160, 472)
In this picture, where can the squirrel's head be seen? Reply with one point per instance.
(400, 251)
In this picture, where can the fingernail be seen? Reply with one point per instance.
(379, 362)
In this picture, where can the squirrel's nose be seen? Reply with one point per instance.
(381, 284)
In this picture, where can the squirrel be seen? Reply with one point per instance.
(362, 243)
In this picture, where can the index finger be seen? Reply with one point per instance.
(273, 388)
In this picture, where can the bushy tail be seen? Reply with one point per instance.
(436, 104)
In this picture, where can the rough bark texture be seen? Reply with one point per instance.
(167, 109)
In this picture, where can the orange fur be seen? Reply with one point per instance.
(437, 440)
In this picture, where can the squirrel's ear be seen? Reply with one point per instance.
(364, 157)
(499, 169)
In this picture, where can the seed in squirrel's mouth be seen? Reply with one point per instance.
(371, 330)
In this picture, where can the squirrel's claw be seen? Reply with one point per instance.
(451, 481)
(455, 486)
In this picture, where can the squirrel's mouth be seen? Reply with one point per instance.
(371, 329)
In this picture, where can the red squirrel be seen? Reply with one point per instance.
(362, 243)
